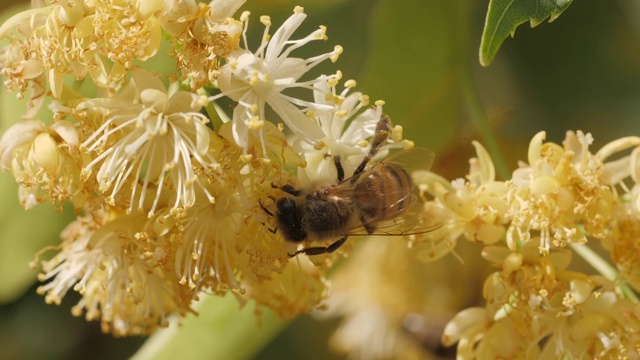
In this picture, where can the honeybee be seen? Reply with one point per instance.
(374, 200)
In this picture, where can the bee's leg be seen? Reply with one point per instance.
(339, 168)
(380, 136)
(318, 250)
(288, 189)
(264, 208)
(271, 230)
(368, 225)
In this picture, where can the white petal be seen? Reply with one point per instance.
(67, 132)
(462, 323)
(202, 137)
(18, 134)
(184, 102)
(277, 42)
(239, 129)
(223, 9)
(145, 80)
(295, 119)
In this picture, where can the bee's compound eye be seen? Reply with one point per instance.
(285, 205)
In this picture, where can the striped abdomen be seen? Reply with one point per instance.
(383, 193)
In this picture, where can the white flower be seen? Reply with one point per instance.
(347, 129)
(260, 78)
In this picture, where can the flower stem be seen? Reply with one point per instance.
(605, 269)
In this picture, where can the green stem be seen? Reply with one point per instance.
(479, 117)
(221, 331)
(605, 269)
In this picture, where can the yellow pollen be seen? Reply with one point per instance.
(246, 158)
(337, 50)
(245, 15)
(332, 82)
(254, 79)
(342, 113)
(364, 100)
(350, 83)
(363, 143)
(255, 123)
(379, 102)
(408, 144)
(203, 100)
(265, 20)
(323, 33)
(298, 9)
(396, 134)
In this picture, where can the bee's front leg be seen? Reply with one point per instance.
(288, 189)
(339, 168)
(318, 250)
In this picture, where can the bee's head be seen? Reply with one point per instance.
(288, 219)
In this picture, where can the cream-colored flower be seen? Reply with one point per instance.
(475, 208)
(606, 327)
(44, 161)
(122, 270)
(623, 175)
(527, 301)
(152, 145)
(204, 34)
(299, 277)
(100, 39)
(208, 247)
(559, 190)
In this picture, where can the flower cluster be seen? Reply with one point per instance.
(529, 228)
(172, 193)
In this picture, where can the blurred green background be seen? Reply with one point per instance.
(580, 72)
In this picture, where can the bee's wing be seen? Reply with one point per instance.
(411, 160)
(409, 221)
(405, 220)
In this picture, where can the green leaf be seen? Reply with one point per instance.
(504, 16)
(220, 331)
(22, 234)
